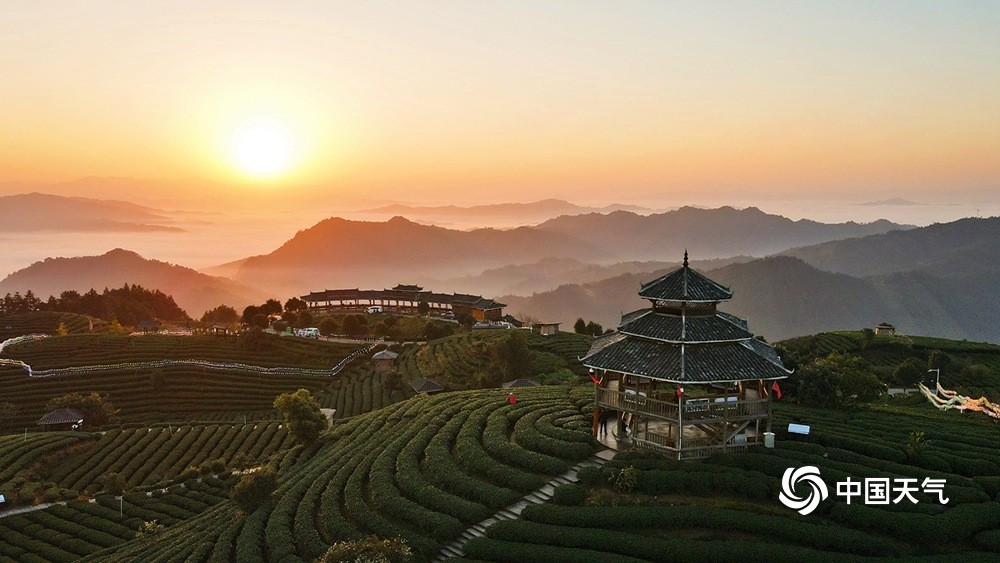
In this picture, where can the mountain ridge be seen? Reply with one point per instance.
(193, 291)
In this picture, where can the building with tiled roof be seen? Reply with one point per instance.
(684, 376)
(61, 419)
(405, 299)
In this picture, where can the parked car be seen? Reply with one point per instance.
(374, 309)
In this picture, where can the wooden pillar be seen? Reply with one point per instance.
(768, 395)
(680, 426)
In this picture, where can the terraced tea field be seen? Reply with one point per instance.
(171, 392)
(454, 359)
(47, 322)
(726, 508)
(427, 468)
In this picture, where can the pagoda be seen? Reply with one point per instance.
(683, 376)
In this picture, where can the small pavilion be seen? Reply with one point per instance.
(61, 419)
(683, 376)
(384, 360)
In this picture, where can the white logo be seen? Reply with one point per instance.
(809, 475)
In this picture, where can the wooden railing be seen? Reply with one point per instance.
(631, 402)
(694, 409)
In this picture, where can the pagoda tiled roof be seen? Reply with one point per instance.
(426, 386)
(705, 363)
(684, 284)
(385, 355)
(687, 328)
(61, 416)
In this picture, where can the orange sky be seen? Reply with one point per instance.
(469, 102)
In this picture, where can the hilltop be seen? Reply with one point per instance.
(193, 291)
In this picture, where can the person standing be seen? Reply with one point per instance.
(511, 399)
(605, 415)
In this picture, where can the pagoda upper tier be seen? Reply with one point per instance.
(684, 338)
(686, 285)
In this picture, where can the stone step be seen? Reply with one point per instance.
(535, 498)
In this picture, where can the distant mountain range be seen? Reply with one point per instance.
(706, 233)
(339, 252)
(549, 273)
(36, 212)
(193, 291)
(942, 279)
(947, 287)
(524, 213)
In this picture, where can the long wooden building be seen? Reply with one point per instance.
(683, 376)
(405, 299)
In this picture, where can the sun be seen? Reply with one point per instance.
(262, 147)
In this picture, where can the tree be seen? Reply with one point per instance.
(509, 355)
(61, 330)
(369, 550)
(580, 326)
(295, 304)
(97, 410)
(254, 489)
(113, 483)
(594, 329)
(392, 380)
(867, 337)
(222, 314)
(8, 412)
(271, 307)
(305, 319)
(434, 330)
(909, 372)
(938, 360)
(837, 380)
(116, 328)
(352, 325)
(290, 318)
(302, 415)
(328, 326)
(423, 308)
(249, 312)
(260, 320)
(466, 320)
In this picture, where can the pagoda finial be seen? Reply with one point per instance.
(685, 258)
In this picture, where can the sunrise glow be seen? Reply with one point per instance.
(262, 147)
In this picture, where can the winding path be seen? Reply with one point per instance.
(513, 512)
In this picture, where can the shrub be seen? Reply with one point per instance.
(591, 475)
(569, 495)
(369, 550)
(626, 479)
(149, 528)
(113, 483)
(254, 489)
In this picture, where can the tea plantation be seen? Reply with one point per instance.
(426, 468)
(641, 506)
(117, 367)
